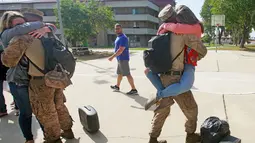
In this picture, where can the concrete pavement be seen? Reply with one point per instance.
(223, 88)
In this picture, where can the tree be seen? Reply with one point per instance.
(239, 16)
(206, 39)
(101, 17)
(82, 20)
(206, 15)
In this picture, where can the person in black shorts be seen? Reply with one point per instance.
(122, 55)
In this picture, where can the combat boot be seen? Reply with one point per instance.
(67, 134)
(193, 138)
(154, 140)
(150, 102)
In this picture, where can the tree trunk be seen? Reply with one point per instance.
(235, 39)
(73, 43)
(243, 39)
(242, 42)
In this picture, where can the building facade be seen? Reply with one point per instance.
(137, 17)
(46, 6)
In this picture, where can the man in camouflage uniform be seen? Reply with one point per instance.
(186, 100)
(47, 103)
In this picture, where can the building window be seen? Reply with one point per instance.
(137, 39)
(113, 38)
(155, 26)
(48, 12)
(133, 11)
(134, 24)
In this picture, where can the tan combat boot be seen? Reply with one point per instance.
(193, 138)
(67, 134)
(154, 140)
(150, 102)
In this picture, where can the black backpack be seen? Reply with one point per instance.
(56, 53)
(213, 130)
(158, 57)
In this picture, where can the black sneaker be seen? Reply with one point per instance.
(115, 87)
(132, 92)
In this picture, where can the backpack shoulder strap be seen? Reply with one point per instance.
(178, 55)
(38, 68)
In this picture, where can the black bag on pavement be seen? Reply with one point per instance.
(213, 130)
(89, 118)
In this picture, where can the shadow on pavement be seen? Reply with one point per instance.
(97, 137)
(100, 69)
(97, 67)
(193, 87)
(139, 99)
(98, 81)
(10, 131)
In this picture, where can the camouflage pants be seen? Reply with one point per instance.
(185, 101)
(49, 108)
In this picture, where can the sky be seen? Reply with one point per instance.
(196, 6)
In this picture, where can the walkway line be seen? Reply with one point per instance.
(225, 107)
(218, 67)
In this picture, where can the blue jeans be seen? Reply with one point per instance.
(155, 80)
(185, 84)
(21, 97)
(2, 100)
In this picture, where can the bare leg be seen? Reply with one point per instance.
(119, 79)
(131, 81)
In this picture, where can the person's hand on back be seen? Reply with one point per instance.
(40, 32)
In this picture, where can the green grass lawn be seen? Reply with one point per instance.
(250, 48)
(225, 47)
(139, 48)
(211, 47)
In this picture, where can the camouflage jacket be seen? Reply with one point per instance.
(178, 42)
(12, 57)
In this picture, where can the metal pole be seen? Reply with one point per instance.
(60, 22)
(210, 24)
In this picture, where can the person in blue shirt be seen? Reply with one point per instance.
(122, 55)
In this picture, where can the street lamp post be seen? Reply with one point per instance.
(61, 23)
(210, 14)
